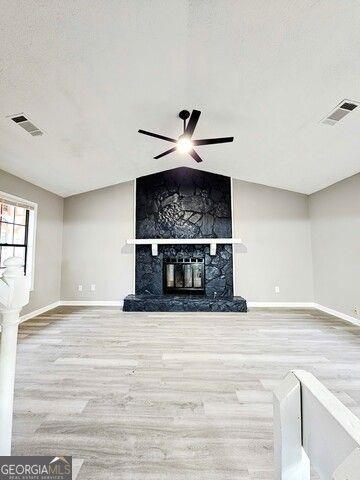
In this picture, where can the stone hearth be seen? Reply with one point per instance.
(183, 303)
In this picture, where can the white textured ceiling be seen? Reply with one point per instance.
(90, 74)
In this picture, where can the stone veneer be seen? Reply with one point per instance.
(183, 303)
(184, 203)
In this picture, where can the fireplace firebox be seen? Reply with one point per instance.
(184, 275)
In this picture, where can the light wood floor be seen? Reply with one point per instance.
(170, 396)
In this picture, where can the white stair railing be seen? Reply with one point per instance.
(311, 426)
(14, 294)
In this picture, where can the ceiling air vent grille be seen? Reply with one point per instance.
(25, 123)
(343, 109)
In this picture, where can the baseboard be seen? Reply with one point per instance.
(336, 313)
(39, 311)
(317, 306)
(281, 304)
(92, 303)
(75, 303)
(115, 303)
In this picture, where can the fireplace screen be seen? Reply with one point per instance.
(183, 275)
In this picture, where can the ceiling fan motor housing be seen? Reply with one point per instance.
(184, 114)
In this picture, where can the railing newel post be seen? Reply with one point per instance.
(14, 294)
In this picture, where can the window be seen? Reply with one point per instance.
(17, 232)
(14, 231)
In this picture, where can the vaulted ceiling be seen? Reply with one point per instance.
(90, 74)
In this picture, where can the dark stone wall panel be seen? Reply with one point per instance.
(183, 203)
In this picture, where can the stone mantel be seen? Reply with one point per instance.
(154, 242)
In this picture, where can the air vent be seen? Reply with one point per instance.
(25, 123)
(344, 108)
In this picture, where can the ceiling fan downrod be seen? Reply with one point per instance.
(184, 115)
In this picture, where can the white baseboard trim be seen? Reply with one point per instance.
(39, 311)
(115, 303)
(73, 303)
(336, 313)
(314, 305)
(92, 303)
(281, 304)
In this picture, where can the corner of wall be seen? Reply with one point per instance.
(308, 209)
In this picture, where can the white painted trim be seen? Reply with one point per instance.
(39, 311)
(281, 305)
(183, 241)
(77, 303)
(119, 303)
(92, 303)
(154, 242)
(313, 305)
(134, 234)
(342, 416)
(233, 232)
(312, 426)
(343, 316)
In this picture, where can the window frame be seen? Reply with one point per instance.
(26, 234)
(30, 232)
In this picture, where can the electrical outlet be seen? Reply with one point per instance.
(357, 310)
(93, 287)
(80, 288)
(277, 289)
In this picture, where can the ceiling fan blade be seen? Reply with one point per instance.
(168, 139)
(194, 118)
(165, 153)
(195, 156)
(210, 141)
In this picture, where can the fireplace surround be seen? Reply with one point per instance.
(184, 203)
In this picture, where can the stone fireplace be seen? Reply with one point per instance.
(189, 204)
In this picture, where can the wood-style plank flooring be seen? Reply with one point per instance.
(170, 396)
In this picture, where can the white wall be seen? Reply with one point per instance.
(96, 226)
(275, 228)
(308, 246)
(48, 239)
(335, 233)
(273, 223)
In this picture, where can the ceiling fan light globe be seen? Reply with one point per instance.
(184, 145)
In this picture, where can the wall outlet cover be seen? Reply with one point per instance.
(277, 289)
(80, 288)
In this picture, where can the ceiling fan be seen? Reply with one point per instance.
(185, 144)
